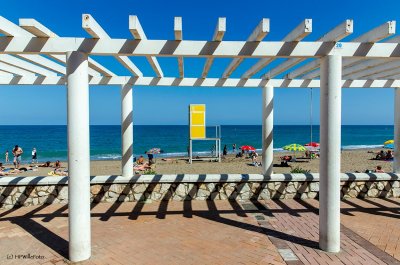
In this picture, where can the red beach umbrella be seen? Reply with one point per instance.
(312, 144)
(247, 148)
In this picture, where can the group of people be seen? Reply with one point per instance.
(382, 155)
(17, 153)
(142, 165)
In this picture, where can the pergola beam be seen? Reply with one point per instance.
(14, 70)
(297, 34)
(366, 64)
(91, 26)
(201, 49)
(257, 35)
(10, 29)
(11, 60)
(338, 33)
(388, 74)
(34, 27)
(376, 34)
(44, 62)
(30, 79)
(218, 36)
(137, 31)
(179, 36)
(379, 69)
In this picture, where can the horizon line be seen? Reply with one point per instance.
(188, 125)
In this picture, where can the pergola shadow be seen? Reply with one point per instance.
(238, 208)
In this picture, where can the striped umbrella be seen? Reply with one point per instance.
(294, 147)
(388, 142)
(154, 151)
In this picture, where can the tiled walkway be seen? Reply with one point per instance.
(205, 232)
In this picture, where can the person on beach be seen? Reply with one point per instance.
(57, 164)
(225, 151)
(140, 161)
(379, 169)
(47, 164)
(17, 152)
(34, 156)
(254, 159)
(380, 155)
(212, 150)
(150, 157)
(234, 148)
(7, 160)
(389, 155)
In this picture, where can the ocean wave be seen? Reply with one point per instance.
(361, 146)
(106, 157)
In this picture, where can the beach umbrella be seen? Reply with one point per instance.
(154, 151)
(389, 142)
(389, 146)
(312, 144)
(247, 148)
(294, 147)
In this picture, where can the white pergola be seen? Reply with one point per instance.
(31, 54)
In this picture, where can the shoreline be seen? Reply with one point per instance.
(352, 161)
(176, 155)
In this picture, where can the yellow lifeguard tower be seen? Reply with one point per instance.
(197, 131)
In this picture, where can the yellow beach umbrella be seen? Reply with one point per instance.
(388, 142)
(294, 147)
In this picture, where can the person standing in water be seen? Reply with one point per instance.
(234, 148)
(7, 160)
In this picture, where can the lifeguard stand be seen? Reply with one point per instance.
(197, 131)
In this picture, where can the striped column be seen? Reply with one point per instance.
(127, 130)
(78, 156)
(330, 130)
(267, 130)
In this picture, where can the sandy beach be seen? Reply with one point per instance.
(352, 160)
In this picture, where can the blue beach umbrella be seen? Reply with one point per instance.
(389, 146)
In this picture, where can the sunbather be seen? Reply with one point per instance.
(142, 167)
(389, 155)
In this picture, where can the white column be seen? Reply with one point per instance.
(127, 130)
(396, 160)
(78, 156)
(330, 140)
(267, 130)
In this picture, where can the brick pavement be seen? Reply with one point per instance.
(206, 232)
(130, 233)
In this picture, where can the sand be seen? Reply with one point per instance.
(352, 161)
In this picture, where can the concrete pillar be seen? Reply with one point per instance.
(78, 156)
(396, 160)
(127, 130)
(330, 141)
(267, 130)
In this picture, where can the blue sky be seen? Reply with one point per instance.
(168, 105)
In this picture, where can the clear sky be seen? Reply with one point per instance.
(168, 105)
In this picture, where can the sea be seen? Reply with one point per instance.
(105, 140)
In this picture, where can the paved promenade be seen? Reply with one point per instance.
(205, 232)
